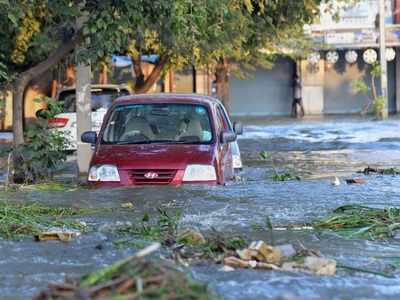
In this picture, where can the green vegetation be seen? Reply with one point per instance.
(376, 102)
(285, 176)
(218, 243)
(263, 155)
(132, 278)
(163, 228)
(52, 186)
(362, 221)
(43, 150)
(18, 220)
(277, 176)
(224, 35)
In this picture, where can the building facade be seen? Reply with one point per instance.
(327, 75)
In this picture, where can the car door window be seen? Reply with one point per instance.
(224, 124)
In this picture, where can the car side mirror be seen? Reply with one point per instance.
(227, 136)
(89, 137)
(238, 128)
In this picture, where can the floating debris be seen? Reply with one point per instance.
(265, 253)
(133, 278)
(259, 255)
(287, 250)
(18, 220)
(191, 237)
(313, 265)
(362, 221)
(356, 181)
(285, 176)
(226, 268)
(127, 205)
(388, 171)
(335, 181)
(57, 235)
(51, 186)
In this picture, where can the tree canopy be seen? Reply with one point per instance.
(226, 35)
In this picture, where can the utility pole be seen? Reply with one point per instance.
(383, 62)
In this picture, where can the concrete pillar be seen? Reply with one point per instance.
(83, 115)
(312, 78)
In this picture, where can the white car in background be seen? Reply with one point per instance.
(102, 96)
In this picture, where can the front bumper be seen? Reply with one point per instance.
(127, 179)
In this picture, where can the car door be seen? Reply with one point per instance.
(225, 153)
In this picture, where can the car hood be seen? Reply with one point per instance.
(154, 156)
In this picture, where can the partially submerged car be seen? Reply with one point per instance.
(102, 96)
(164, 139)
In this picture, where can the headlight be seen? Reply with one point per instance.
(104, 173)
(200, 173)
(237, 162)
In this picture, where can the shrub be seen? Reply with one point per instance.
(43, 151)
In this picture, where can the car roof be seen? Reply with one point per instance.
(167, 98)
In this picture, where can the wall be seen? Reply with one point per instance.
(265, 92)
(338, 97)
(312, 78)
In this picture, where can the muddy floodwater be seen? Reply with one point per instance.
(316, 150)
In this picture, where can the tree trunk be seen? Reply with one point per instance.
(18, 111)
(142, 84)
(26, 77)
(222, 82)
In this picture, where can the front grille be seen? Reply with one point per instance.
(164, 176)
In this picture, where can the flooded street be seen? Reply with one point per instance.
(315, 150)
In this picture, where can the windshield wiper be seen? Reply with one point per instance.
(174, 142)
(156, 142)
(132, 142)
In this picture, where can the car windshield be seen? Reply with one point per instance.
(101, 99)
(158, 123)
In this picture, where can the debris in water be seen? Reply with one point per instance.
(191, 237)
(312, 264)
(362, 221)
(127, 205)
(388, 171)
(227, 268)
(265, 253)
(32, 219)
(287, 250)
(51, 186)
(115, 226)
(132, 278)
(285, 176)
(294, 228)
(356, 181)
(335, 181)
(259, 255)
(263, 155)
(60, 235)
(235, 262)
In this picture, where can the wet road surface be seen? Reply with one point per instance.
(314, 149)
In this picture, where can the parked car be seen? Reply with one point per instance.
(163, 139)
(102, 96)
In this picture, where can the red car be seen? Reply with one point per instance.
(163, 139)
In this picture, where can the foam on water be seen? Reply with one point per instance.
(359, 131)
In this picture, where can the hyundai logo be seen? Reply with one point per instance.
(151, 175)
